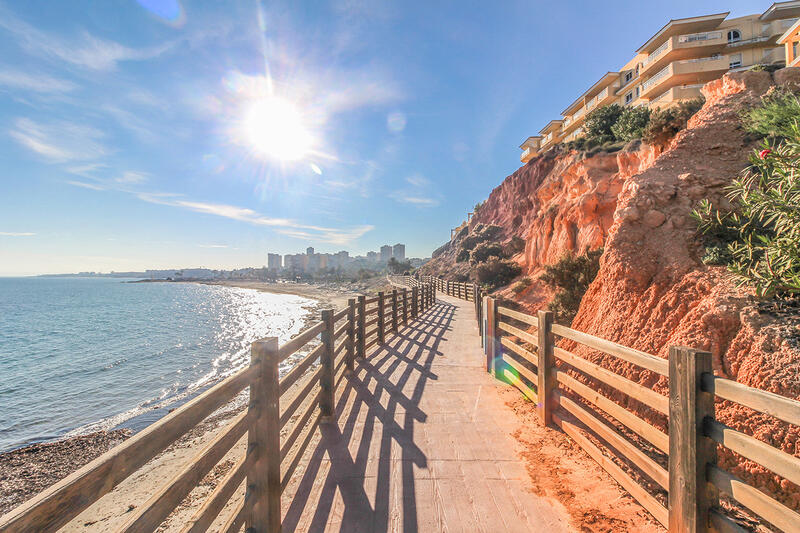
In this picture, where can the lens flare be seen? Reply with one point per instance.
(276, 129)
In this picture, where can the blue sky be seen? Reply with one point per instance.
(129, 140)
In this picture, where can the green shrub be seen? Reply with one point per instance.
(462, 256)
(490, 232)
(484, 251)
(515, 245)
(521, 285)
(776, 116)
(762, 230)
(496, 272)
(665, 123)
(599, 122)
(765, 68)
(631, 123)
(570, 277)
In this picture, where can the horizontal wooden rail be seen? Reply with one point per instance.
(300, 340)
(652, 505)
(204, 517)
(783, 464)
(519, 350)
(638, 392)
(647, 465)
(642, 359)
(653, 435)
(522, 317)
(300, 368)
(762, 401)
(524, 335)
(774, 512)
(148, 517)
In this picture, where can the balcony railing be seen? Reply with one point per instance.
(694, 37)
(657, 52)
(656, 78)
(525, 153)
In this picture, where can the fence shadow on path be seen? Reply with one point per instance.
(372, 448)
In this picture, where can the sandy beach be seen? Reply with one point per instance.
(27, 471)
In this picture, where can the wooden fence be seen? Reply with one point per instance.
(567, 390)
(270, 459)
(471, 292)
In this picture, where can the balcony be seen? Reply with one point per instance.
(527, 155)
(688, 71)
(684, 92)
(684, 47)
(598, 99)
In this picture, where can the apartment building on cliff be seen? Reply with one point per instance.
(675, 63)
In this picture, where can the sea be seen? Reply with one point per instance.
(85, 354)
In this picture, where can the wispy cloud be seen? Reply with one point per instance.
(243, 214)
(418, 180)
(416, 194)
(59, 141)
(40, 83)
(16, 234)
(85, 185)
(84, 50)
(132, 178)
(418, 201)
(212, 245)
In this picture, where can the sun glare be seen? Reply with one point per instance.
(275, 128)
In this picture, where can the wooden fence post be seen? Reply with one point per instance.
(351, 334)
(414, 301)
(394, 310)
(362, 310)
(327, 403)
(491, 328)
(263, 440)
(690, 496)
(546, 381)
(405, 306)
(381, 319)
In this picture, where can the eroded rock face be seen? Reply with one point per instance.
(652, 290)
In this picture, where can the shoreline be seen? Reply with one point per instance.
(26, 471)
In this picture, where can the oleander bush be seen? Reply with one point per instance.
(759, 237)
(570, 277)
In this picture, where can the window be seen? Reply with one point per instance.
(629, 98)
(628, 76)
(734, 36)
(794, 50)
(637, 91)
(735, 60)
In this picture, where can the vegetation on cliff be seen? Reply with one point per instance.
(758, 237)
(570, 278)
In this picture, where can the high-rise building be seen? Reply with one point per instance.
(372, 257)
(675, 63)
(386, 253)
(399, 252)
(310, 250)
(274, 262)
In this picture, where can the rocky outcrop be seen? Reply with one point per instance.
(652, 290)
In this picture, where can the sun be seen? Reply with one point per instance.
(276, 129)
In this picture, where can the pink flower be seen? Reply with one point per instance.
(764, 153)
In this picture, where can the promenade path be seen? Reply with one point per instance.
(423, 442)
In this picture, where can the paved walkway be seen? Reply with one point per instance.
(423, 443)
